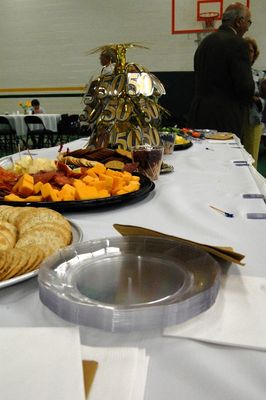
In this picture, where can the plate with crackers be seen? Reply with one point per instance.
(28, 235)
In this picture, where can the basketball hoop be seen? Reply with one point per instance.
(208, 19)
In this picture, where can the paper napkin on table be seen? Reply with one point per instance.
(226, 253)
(237, 318)
(40, 363)
(121, 372)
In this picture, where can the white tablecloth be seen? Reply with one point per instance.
(205, 174)
(17, 122)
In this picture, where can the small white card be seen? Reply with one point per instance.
(237, 318)
(40, 363)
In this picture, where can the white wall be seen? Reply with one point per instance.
(43, 43)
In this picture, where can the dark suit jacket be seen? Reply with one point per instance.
(223, 83)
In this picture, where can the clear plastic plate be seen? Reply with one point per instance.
(129, 283)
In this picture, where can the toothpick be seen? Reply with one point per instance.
(12, 161)
(29, 154)
(19, 150)
(225, 213)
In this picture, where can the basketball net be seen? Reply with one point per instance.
(208, 20)
(208, 23)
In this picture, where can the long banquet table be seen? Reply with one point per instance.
(205, 174)
(17, 122)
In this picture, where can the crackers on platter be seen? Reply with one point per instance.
(27, 236)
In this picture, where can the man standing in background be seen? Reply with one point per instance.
(224, 85)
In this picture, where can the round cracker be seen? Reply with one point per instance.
(65, 231)
(3, 257)
(18, 212)
(43, 237)
(17, 261)
(6, 268)
(3, 211)
(9, 231)
(36, 256)
(5, 243)
(38, 216)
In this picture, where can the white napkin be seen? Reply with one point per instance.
(121, 372)
(40, 363)
(237, 318)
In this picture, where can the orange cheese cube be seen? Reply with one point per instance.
(108, 181)
(127, 176)
(79, 184)
(66, 197)
(45, 190)
(89, 180)
(121, 192)
(13, 197)
(26, 185)
(33, 198)
(103, 193)
(69, 189)
(117, 184)
(37, 187)
(98, 169)
(15, 188)
(113, 173)
(67, 192)
(90, 172)
(131, 187)
(53, 195)
(100, 185)
(48, 192)
(86, 193)
(135, 178)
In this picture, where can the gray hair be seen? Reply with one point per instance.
(229, 16)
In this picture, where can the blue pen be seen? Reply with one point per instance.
(226, 214)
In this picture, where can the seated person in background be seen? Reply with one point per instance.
(36, 108)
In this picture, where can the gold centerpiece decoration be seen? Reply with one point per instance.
(121, 106)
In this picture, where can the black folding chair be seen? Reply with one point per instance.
(37, 134)
(69, 127)
(8, 137)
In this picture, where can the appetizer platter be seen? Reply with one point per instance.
(182, 137)
(182, 143)
(76, 180)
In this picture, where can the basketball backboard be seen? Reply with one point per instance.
(186, 14)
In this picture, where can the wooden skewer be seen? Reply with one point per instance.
(29, 154)
(19, 151)
(225, 213)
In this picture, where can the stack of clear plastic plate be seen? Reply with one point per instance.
(124, 284)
